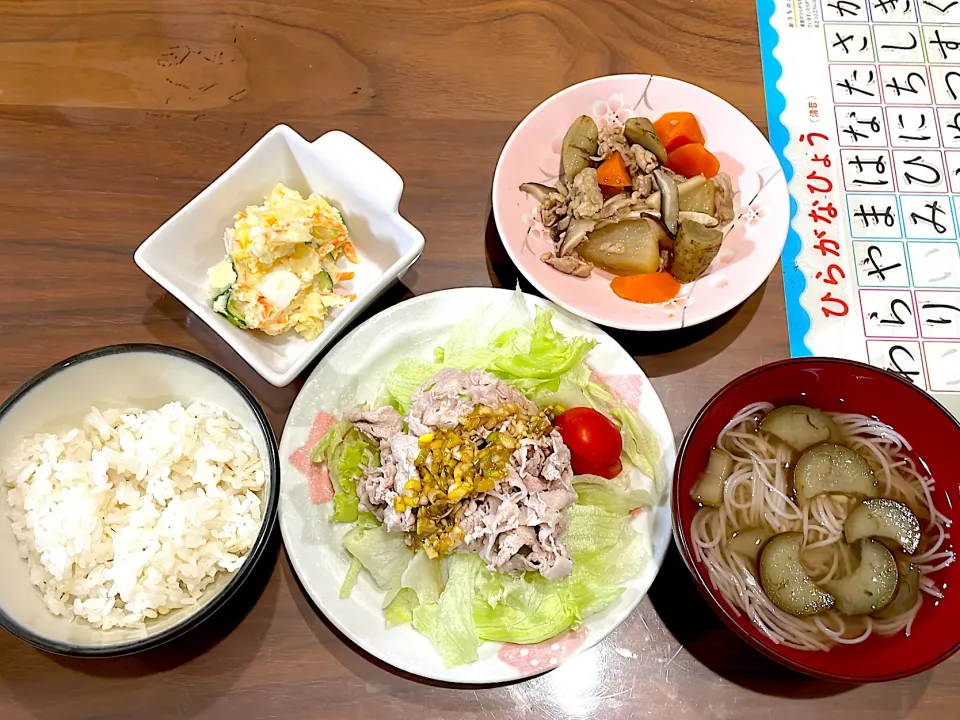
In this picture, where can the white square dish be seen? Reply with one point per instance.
(364, 188)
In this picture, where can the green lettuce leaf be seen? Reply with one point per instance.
(355, 452)
(597, 578)
(344, 451)
(384, 555)
(421, 583)
(540, 358)
(325, 449)
(424, 576)
(350, 580)
(592, 530)
(401, 382)
(400, 611)
(611, 495)
(448, 623)
(526, 609)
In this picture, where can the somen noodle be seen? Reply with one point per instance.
(759, 493)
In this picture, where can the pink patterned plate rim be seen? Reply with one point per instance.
(350, 373)
(750, 250)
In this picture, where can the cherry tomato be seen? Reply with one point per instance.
(583, 467)
(590, 435)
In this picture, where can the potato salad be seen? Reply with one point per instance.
(280, 272)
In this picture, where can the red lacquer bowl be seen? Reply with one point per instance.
(843, 386)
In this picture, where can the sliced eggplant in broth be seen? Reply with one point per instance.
(908, 589)
(748, 541)
(831, 469)
(882, 518)
(869, 588)
(709, 487)
(784, 580)
(800, 427)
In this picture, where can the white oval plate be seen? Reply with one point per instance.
(351, 373)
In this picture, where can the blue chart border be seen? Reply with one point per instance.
(794, 282)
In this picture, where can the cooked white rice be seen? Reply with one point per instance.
(136, 512)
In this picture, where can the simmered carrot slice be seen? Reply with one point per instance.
(677, 129)
(613, 173)
(694, 159)
(649, 288)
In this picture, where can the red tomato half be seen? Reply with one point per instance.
(583, 467)
(591, 436)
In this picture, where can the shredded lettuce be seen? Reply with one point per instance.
(541, 358)
(639, 444)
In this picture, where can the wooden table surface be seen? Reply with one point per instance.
(114, 113)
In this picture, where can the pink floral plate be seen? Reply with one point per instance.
(752, 244)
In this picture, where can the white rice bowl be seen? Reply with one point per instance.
(123, 530)
(134, 513)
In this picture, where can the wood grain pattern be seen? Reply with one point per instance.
(114, 113)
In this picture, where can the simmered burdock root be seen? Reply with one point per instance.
(579, 144)
(694, 249)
